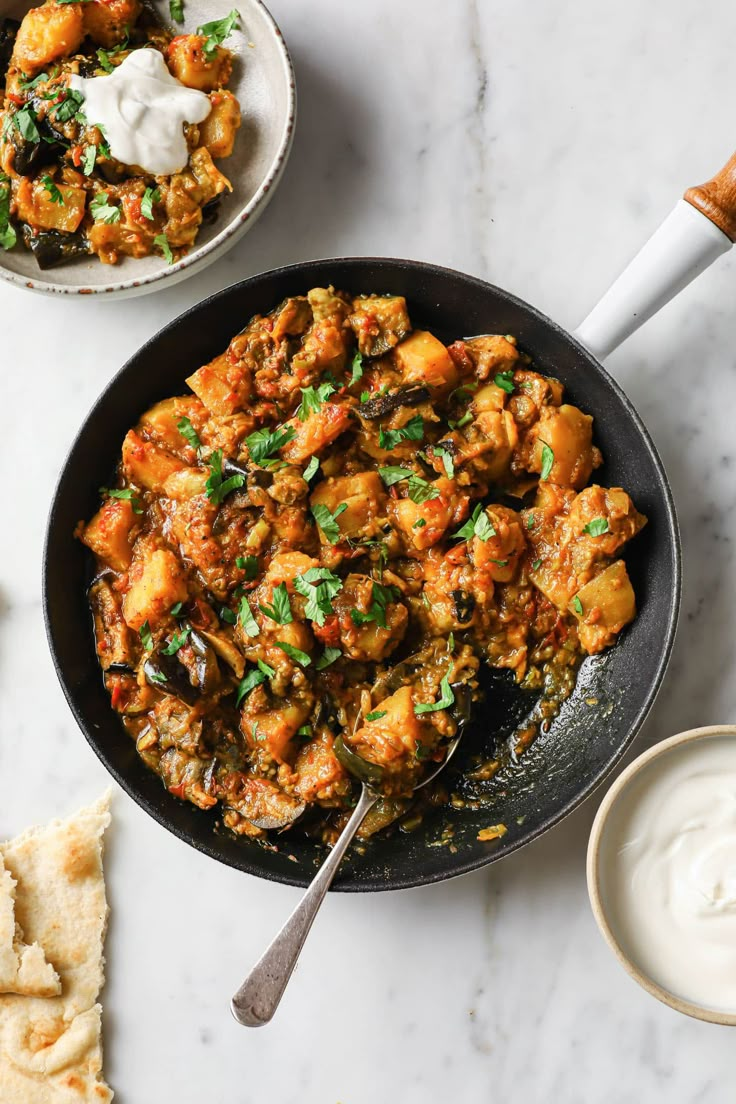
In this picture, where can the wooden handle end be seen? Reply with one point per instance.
(717, 199)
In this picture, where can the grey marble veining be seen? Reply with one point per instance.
(536, 145)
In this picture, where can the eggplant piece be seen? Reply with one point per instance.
(113, 638)
(30, 156)
(205, 663)
(211, 212)
(8, 32)
(52, 247)
(233, 467)
(360, 768)
(385, 404)
(227, 651)
(463, 605)
(165, 673)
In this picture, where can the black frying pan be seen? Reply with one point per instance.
(614, 691)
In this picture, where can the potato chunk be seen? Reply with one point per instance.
(569, 434)
(189, 63)
(608, 603)
(425, 523)
(36, 206)
(107, 22)
(217, 133)
(47, 34)
(108, 533)
(158, 582)
(146, 465)
(374, 639)
(394, 736)
(492, 354)
(320, 429)
(222, 386)
(364, 500)
(422, 358)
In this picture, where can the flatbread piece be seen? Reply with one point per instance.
(23, 968)
(50, 1048)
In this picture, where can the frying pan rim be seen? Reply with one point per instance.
(455, 868)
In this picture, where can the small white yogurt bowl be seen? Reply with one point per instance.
(635, 937)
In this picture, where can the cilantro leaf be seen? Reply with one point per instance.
(420, 490)
(146, 636)
(447, 461)
(296, 654)
(246, 618)
(218, 488)
(54, 194)
(381, 596)
(536, 565)
(530, 521)
(597, 527)
(356, 370)
(70, 107)
(413, 431)
(189, 433)
(216, 31)
(176, 10)
(227, 615)
(505, 380)
(265, 442)
(477, 525)
(27, 84)
(327, 521)
(393, 475)
(252, 679)
(376, 715)
(280, 608)
(319, 597)
(312, 399)
(104, 59)
(89, 159)
(311, 469)
(329, 657)
(178, 641)
(124, 493)
(176, 609)
(8, 236)
(548, 459)
(248, 564)
(467, 417)
(150, 196)
(25, 123)
(163, 243)
(577, 605)
(446, 700)
(103, 211)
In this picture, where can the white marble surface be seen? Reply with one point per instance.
(535, 144)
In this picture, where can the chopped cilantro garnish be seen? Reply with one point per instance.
(215, 32)
(189, 433)
(248, 564)
(227, 615)
(311, 469)
(70, 107)
(163, 243)
(296, 654)
(381, 596)
(446, 699)
(548, 459)
(477, 525)
(104, 59)
(577, 605)
(356, 372)
(280, 609)
(150, 196)
(505, 380)
(597, 527)
(124, 493)
(54, 194)
(413, 431)
(265, 442)
(217, 487)
(536, 565)
(376, 715)
(25, 123)
(319, 597)
(89, 158)
(329, 656)
(178, 641)
(327, 521)
(176, 10)
(246, 618)
(102, 210)
(252, 679)
(146, 637)
(447, 460)
(312, 399)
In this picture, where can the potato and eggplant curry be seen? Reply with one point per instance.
(302, 563)
(66, 188)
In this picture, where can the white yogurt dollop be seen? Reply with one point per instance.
(142, 109)
(669, 871)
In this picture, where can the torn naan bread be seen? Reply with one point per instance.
(23, 968)
(50, 1048)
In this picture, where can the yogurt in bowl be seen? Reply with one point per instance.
(662, 871)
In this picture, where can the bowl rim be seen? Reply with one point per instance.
(203, 255)
(593, 873)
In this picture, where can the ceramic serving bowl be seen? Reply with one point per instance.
(602, 856)
(263, 81)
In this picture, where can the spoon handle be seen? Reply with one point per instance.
(258, 997)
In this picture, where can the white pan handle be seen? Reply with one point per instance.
(699, 229)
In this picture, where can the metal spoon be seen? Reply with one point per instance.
(259, 996)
